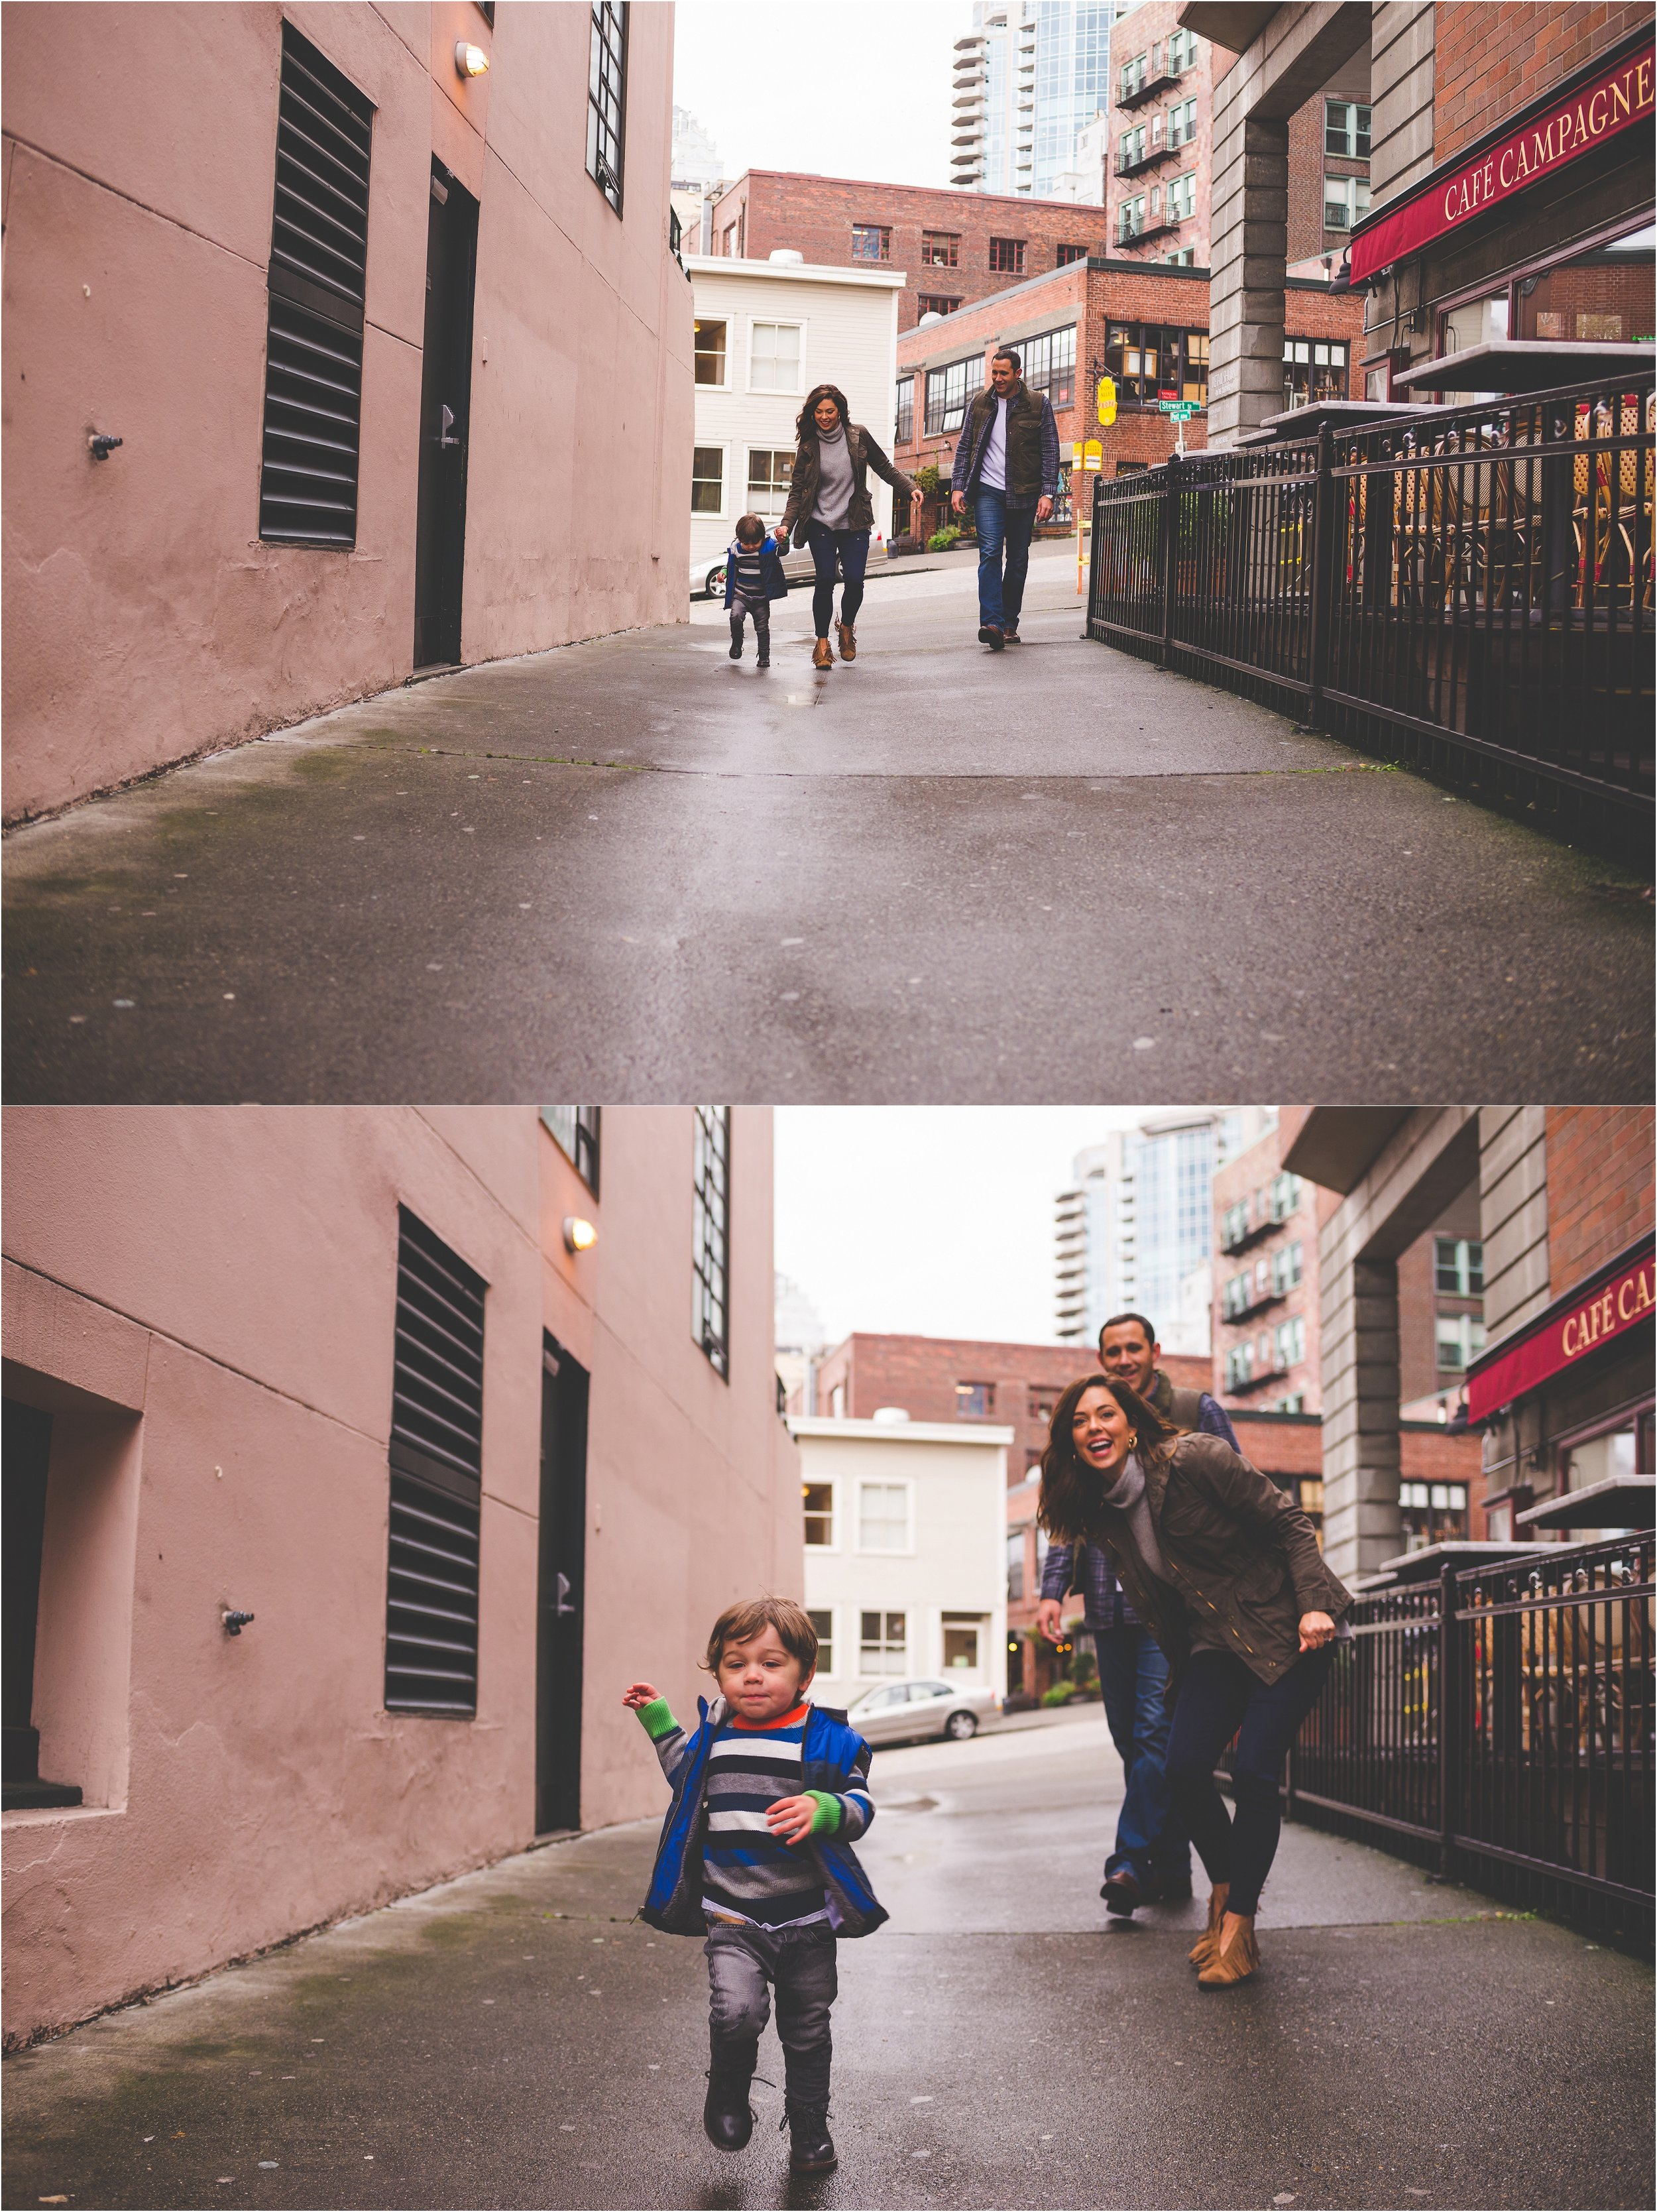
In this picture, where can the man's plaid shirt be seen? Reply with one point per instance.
(1104, 1602)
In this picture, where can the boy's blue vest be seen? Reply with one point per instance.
(675, 1902)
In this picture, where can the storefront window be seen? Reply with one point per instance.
(1432, 1513)
(1625, 1449)
(1604, 296)
(1150, 361)
(1313, 368)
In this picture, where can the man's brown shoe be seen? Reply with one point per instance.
(848, 644)
(990, 635)
(1202, 1949)
(1121, 1892)
(822, 654)
(1238, 1962)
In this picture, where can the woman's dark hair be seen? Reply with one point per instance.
(806, 427)
(1070, 1492)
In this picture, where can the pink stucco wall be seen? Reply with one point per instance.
(205, 1298)
(146, 621)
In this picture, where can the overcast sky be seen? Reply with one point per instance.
(859, 88)
(934, 1220)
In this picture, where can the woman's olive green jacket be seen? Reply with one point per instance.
(1238, 1549)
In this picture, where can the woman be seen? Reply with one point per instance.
(829, 500)
(1226, 1573)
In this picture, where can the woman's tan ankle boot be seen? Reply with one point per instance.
(1239, 1960)
(1202, 1950)
(822, 654)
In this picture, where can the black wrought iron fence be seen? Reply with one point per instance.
(1472, 588)
(1497, 1724)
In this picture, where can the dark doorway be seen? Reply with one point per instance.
(562, 1577)
(445, 420)
(26, 1442)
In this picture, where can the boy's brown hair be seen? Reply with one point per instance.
(750, 530)
(738, 1622)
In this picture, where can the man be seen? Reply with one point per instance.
(1006, 459)
(1152, 1857)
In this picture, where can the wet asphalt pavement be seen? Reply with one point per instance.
(516, 2040)
(629, 870)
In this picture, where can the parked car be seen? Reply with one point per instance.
(707, 575)
(900, 1713)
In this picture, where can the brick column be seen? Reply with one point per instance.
(1250, 255)
(1360, 1347)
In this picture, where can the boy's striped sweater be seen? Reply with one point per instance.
(748, 1874)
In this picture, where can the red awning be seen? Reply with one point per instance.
(1557, 130)
(1606, 1306)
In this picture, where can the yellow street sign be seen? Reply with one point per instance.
(1093, 454)
(1107, 401)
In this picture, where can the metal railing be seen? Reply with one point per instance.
(1497, 1724)
(1472, 588)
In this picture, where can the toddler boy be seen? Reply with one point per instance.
(753, 578)
(756, 1855)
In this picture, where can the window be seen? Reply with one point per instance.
(1186, 258)
(1131, 218)
(1432, 1513)
(1007, 256)
(607, 98)
(870, 241)
(1235, 1295)
(436, 1476)
(974, 1401)
(1016, 1567)
(1050, 365)
(707, 480)
(1064, 255)
(1459, 1267)
(932, 303)
(1346, 129)
(709, 1262)
(1285, 1196)
(940, 249)
(946, 396)
(710, 352)
(1233, 1225)
(819, 1513)
(1297, 1404)
(903, 426)
(1460, 1339)
(883, 1516)
(1182, 123)
(1194, 384)
(732, 249)
(961, 1638)
(1041, 1405)
(1182, 198)
(1345, 201)
(1148, 361)
(770, 472)
(1130, 149)
(1290, 1342)
(1181, 51)
(1312, 369)
(316, 281)
(1287, 1265)
(1603, 294)
(824, 1624)
(575, 1131)
(774, 352)
(1133, 77)
(1240, 1365)
(883, 1645)
(837, 1402)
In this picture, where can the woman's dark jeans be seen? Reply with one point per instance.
(849, 550)
(1219, 1696)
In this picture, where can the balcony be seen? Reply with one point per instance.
(1236, 1385)
(1150, 158)
(1257, 1301)
(1158, 226)
(1163, 80)
(1237, 1237)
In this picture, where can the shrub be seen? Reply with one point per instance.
(929, 479)
(942, 540)
(1060, 1694)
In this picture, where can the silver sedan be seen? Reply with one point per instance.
(901, 1712)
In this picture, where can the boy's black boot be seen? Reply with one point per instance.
(735, 637)
(811, 2148)
(727, 2116)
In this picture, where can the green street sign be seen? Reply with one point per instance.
(1181, 409)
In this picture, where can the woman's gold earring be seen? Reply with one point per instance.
(1133, 1444)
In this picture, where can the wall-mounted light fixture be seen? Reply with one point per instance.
(579, 1236)
(469, 60)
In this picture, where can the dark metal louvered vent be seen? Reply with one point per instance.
(318, 282)
(437, 1459)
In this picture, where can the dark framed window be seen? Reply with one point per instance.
(1313, 368)
(436, 1475)
(974, 1401)
(318, 263)
(710, 1257)
(1432, 1513)
(708, 479)
(931, 303)
(1050, 365)
(575, 1131)
(1346, 129)
(1066, 254)
(770, 472)
(607, 98)
(872, 241)
(903, 426)
(1007, 256)
(940, 249)
(946, 396)
(1150, 360)
(824, 1624)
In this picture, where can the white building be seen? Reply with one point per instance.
(800, 1342)
(765, 332)
(905, 1551)
(1028, 79)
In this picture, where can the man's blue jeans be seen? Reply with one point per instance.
(1150, 1837)
(1001, 530)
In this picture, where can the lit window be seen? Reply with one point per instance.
(819, 1513)
(710, 352)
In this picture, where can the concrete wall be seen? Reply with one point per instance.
(147, 621)
(205, 1299)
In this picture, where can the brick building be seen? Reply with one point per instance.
(954, 247)
(1144, 324)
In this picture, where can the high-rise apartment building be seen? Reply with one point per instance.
(1135, 1229)
(1030, 76)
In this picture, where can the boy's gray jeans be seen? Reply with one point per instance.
(743, 1965)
